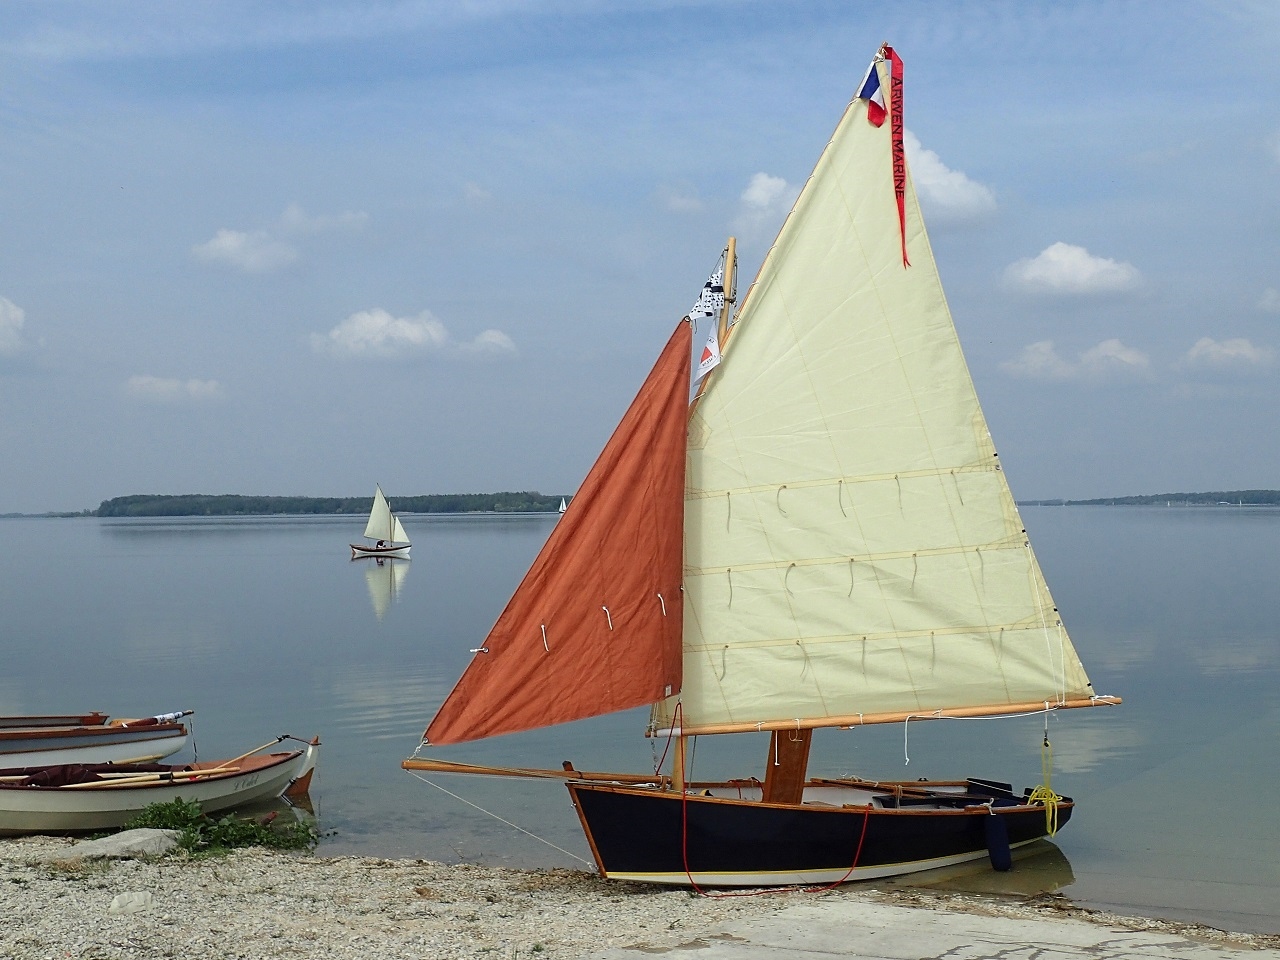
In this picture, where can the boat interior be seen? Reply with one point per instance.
(888, 795)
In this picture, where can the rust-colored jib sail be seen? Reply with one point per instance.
(595, 625)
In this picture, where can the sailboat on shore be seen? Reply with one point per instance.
(385, 530)
(823, 538)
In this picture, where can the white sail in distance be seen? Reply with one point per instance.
(852, 550)
(383, 524)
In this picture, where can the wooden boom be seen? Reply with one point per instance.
(567, 773)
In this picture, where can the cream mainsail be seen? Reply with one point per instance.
(383, 524)
(852, 550)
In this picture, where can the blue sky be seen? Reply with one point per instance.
(302, 247)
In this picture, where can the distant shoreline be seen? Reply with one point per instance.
(237, 505)
(1216, 498)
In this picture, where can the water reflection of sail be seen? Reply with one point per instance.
(384, 577)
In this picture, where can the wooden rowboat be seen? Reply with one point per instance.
(75, 798)
(40, 741)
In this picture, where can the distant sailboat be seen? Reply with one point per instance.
(825, 539)
(385, 530)
(563, 506)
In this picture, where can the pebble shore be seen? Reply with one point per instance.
(259, 904)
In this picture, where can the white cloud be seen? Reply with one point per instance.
(491, 342)
(1039, 361)
(255, 252)
(764, 191)
(679, 199)
(475, 194)
(1274, 144)
(1066, 269)
(1236, 354)
(296, 220)
(1270, 300)
(170, 389)
(376, 334)
(12, 318)
(265, 251)
(1109, 359)
(945, 192)
(764, 204)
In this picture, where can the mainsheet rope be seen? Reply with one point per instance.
(515, 826)
(1044, 793)
(1046, 710)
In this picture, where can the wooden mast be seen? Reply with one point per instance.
(785, 769)
(730, 269)
(722, 333)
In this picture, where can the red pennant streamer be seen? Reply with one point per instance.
(899, 151)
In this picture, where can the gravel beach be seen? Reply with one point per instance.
(256, 903)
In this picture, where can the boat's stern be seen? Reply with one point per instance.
(300, 785)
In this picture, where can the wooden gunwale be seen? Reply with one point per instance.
(210, 770)
(853, 808)
(17, 735)
(95, 719)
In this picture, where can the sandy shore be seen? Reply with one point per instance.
(255, 904)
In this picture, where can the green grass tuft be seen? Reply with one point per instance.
(201, 835)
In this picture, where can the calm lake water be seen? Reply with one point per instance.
(263, 626)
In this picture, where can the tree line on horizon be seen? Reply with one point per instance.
(1247, 498)
(237, 505)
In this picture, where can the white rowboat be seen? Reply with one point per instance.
(40, 741)
(106, 797)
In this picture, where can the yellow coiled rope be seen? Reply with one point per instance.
(1044, 793)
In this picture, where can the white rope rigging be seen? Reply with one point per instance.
(1058, 666)
(514, 826)
(906, 760)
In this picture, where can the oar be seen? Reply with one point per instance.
(167, 774)
(148, 778)
(269, 743)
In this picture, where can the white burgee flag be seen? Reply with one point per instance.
(709, 306)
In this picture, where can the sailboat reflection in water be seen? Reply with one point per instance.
(823, 539)
(384, 578)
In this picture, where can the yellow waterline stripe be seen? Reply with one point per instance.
(682, 875)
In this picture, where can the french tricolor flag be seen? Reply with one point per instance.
(873, 93)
